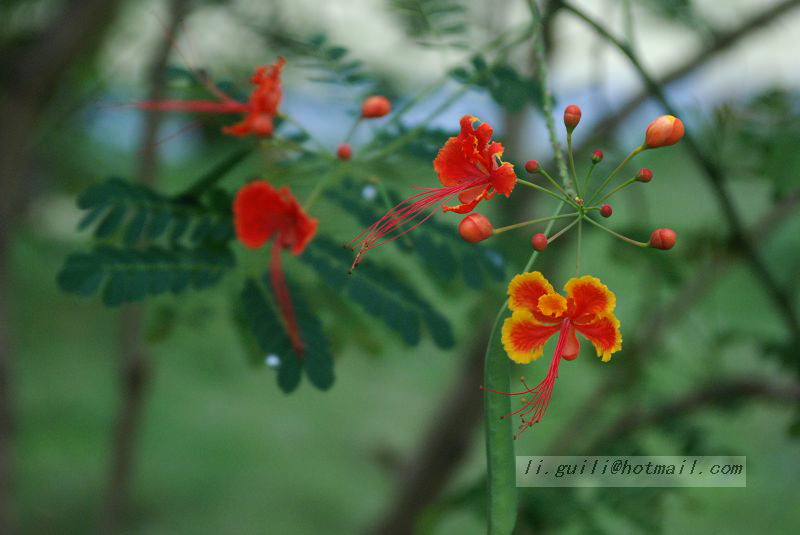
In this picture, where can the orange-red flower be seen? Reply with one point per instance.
(259, 111)
(538, 312)
(468, 166)
(261, 213)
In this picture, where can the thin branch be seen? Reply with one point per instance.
(721, 392)
(135, 365)
(660, 320)
(722, 42)
(716, 179)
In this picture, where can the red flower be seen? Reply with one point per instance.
(539, 313)
(261, 213)
(468, 165)
(259, 111)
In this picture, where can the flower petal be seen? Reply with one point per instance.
(524, 292)
(470, 201)
(503, 179)
(590, 298)
(552, 305)
(452, 165)
(524, 337)
(604, 334)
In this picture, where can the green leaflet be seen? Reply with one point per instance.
(380, 293)
(132, 274)
(259, 315)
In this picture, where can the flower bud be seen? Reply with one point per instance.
(597, 156)
(539, 242)
(375, 107)
(344, 152)
(663, 238)
(532, 166)
(663, 132)
(572, 116)
(644, 175)
(606, 210)
(475, 228)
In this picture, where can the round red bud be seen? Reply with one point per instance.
(644, 175)
(375, 107)
(475, 228)
(532, 166)
(344, 152)
(597, 156)
(663, 238)
(606, 210)
(572, 116)
(663, 132)
(539, 242)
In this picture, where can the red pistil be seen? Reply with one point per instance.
(537, 406)
(405, 217)
(284, 299)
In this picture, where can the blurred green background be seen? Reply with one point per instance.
(220, 449)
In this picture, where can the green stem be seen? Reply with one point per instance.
(532, 222)
(586, 180)
(613, 191)
(578, 258)
(217, 172)
(571, 159)
(352, 129)
(302, 129)
(554, 183)
(501, 463)
(554, 237)
(616, 234)
(414, 132)
(544, 190)
(320, 187)
(614, 173)
(547, 97)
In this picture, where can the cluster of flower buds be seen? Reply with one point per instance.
(662, 132)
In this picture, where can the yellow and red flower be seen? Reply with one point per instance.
(259, 111)
(261, 213)
(468, 166)
(538, 312)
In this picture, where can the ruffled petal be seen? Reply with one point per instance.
(589, 298)
(552, 305)
(452, 165)
(470, 201)
(524, 337)
(503, 179)
(604, 335)
(524, 292)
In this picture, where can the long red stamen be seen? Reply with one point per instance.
(407, 214)
(284, 300)
(195, 106)
(536, 407)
